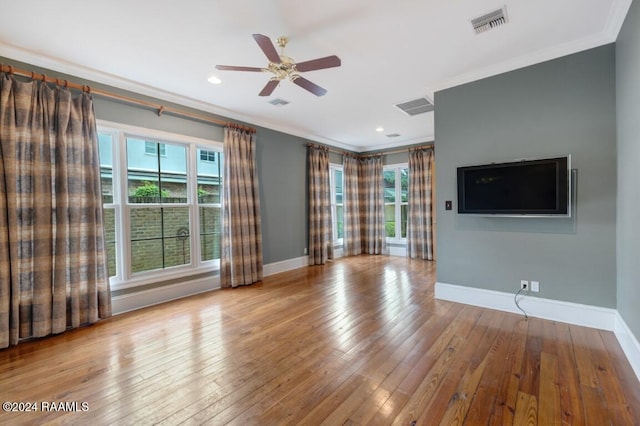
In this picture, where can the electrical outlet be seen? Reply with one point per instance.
(305, 250)
(524, 285)
(535, 286)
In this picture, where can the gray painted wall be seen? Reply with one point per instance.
(283, 194)
(628, 120)
(564, 106)
(281, 164)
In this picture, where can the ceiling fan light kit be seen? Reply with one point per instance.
(283, 67)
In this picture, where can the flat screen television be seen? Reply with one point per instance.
(538, 187)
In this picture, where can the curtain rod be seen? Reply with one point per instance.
(127, 99)
(397, 151)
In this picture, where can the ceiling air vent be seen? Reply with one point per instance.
(416, 106)
(393, 135)
(490, 20)
(279, 102)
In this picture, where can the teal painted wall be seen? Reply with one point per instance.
(564, 106)
(628, 121)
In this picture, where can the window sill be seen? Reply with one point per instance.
(155, 277)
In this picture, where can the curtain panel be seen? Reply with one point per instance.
(420, 215)
(53, 269)
(352, 242)
(371, 190)
(241, 260)
(320, 235)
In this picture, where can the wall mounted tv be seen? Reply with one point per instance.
(536, 188)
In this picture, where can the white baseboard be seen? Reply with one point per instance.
(555, 310)
(141, 299)
(285, 265)
(629, 343)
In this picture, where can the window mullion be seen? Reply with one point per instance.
(192, 194)
(125, 213)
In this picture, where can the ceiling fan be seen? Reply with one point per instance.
(282, 67)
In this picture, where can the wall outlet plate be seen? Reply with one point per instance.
(535, 286)
(524, 285)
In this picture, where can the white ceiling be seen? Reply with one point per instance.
(391, 51)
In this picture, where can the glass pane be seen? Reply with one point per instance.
(339, 221)
(404, 184)
(177, 246)
(146, 239)
(143, 179)
(389, 186)
(105, 151)
(209, 233)
(403, 220)
(173, 174)
(390, 219)
(338, 187)
(156, 172)
(110, 240)
(209, 176)
(159, 238)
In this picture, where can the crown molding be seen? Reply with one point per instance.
(64, 67)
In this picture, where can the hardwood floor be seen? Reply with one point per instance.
(358, 341)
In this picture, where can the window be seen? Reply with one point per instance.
(158, 207)
(337, 215)
(153, 148)
(162, 203)
(209, 203)
(208, 155)
(396, 197)
(106, 150)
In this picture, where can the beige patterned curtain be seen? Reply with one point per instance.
(241, 245)
(53, 272)
(420, 221)
(352, 243)
(372, 205)
(320, 235)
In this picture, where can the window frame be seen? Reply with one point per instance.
(124, 277)
(398, 203)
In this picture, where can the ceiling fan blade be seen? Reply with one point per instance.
(311, 87)
(267, 47)
(318, 64)
(234, 68)
(269, 88)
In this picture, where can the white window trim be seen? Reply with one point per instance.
(337, 242)
(124, 278)
(398, 204)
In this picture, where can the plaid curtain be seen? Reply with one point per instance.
(352, 243)
(420, 220)
(241, 245)
(320, 236)
(53, 272)
(372, 205)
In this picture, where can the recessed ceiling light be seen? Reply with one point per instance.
(379, 129)
(214, 80)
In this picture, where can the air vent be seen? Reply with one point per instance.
(279, 102)
(393, 135)
(416, 106)
(490, 20)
